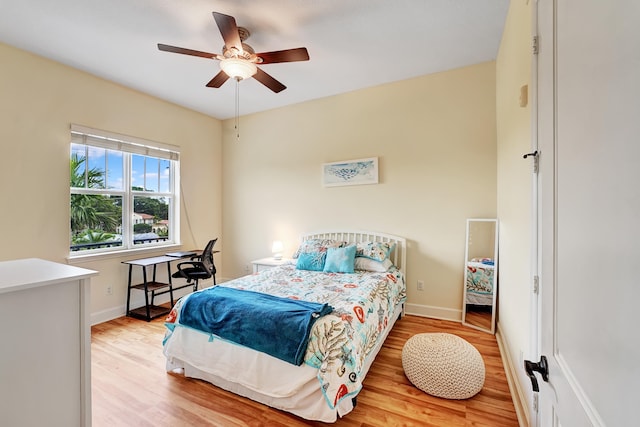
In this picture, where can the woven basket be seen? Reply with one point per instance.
(443, 365)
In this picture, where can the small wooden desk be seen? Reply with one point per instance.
(149, 310)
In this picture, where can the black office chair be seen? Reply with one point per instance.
(200, 267)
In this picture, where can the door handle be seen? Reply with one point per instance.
(542, 367)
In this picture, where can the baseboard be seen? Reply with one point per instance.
(434, 312)
(517, 394)
(106, 315)
(138, 300)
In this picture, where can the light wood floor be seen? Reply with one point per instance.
(131, 388)
(481, 319)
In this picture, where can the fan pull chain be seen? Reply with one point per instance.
(237, 123)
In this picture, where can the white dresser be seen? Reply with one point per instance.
(45, 347)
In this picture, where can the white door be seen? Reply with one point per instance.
(589, 181)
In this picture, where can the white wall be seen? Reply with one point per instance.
(513, 70)
(435, 138)
(40, 99)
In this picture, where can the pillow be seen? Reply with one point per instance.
(368, 264)
(487, 261)
(378, 251)
(317, 245)
(340, 260)
(313, 261)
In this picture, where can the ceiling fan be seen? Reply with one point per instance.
(238, 60)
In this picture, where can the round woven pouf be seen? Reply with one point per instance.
(443, 365)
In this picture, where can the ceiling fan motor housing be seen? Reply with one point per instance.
(247, 53)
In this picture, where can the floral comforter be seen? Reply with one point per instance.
(340, 341)
(480, 278)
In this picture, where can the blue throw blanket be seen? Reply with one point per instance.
(273, 325)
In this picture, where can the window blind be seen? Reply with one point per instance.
(130, 144)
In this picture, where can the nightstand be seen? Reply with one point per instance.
(267, 263)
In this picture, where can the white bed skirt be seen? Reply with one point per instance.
(271, 381)
(479, 299)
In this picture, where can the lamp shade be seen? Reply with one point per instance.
(237, 68)
(276, 249)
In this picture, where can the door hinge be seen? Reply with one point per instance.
(534, 45)
(536, 284)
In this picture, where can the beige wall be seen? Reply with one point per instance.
(435, 138)
(442, 159)
(513, 70)
(40, 99)
(481, 241)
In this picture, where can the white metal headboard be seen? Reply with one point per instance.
(398, 256)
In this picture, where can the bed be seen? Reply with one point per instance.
(479, 282)
(349, 316)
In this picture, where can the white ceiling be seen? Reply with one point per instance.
(352, 44)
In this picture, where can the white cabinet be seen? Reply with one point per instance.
(45, 348)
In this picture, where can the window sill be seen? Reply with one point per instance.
(125, 253)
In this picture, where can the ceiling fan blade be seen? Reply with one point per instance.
(218, 80)
(229, 30)
(288, 55)
(175, 49)
(269, 81)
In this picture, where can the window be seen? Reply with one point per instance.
(124, 192)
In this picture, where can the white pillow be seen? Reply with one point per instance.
(368, 264)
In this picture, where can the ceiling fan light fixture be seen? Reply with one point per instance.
(237, 68)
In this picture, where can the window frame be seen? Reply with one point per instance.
(130, 146)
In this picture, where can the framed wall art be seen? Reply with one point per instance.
(350, 172)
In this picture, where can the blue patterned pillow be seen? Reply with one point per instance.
(317, 245)
(313, 261)
(340, 260)
(378, 251)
